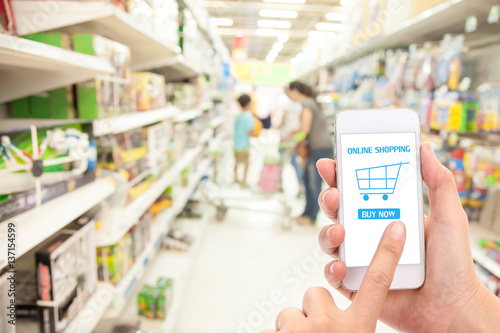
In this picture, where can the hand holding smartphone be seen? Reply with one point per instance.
(379, 182)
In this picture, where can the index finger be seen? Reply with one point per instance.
(326, 168)
(378, 278)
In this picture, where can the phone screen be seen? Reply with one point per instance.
(379, 186)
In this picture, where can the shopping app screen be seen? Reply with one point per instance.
(379, 182)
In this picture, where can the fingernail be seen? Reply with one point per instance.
(329, 232)
(323, 198)
(332, 268)
(397, 230)
(430, 149)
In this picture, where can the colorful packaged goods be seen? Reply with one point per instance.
(7, 21)
(60, 40)
(150, 91)
(153, 302)
(67, 161)
(65, 277)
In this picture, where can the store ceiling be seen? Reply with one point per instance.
(246, 14)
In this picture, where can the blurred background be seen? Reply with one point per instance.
(151, 174)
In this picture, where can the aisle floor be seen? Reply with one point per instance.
(249, 268)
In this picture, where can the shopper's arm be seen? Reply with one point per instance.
(306, 121)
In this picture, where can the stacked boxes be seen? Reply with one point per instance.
(150, 91)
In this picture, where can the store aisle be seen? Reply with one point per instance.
(249, 268)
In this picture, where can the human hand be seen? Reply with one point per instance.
(320, 314)
(451, 293)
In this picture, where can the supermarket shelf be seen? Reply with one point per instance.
(148, 48)
(216, 143)
(206, 106)
(217, 121)
(123, 219)
(206, 136)
(89, 316)
(178, 266)
(432, 24)
(122, 123)
(16, 125)
(161, 225)
(188, 115)
(478, 253)
(30, 67)
(177, 68)
(38, 224)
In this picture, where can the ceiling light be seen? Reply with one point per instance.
(336, 16)
(330, 26)
(274, 24)
(278, 13)
(300, 57)
(221, 21)
(331, 35)
(278, 46)
(283, 37)
(345, 3)
(270, 59)
(315, 34)
(266, 32)
(294, 62)
(286, 1)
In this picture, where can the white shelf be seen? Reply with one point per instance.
(174, 265)
(217, 121)
(123, 123)
(188, 115)
(206, 136)
(206, 106)
(177, 68)
(122, 220)
(478, 253)
(216, 143)
(29, 67)
(87, 319)
(432, 24)
(161, 225)
(148, 47)
(38, 224)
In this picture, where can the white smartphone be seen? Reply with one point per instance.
(379, 182)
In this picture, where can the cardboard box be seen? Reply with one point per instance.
(62, 103)
(60, 40)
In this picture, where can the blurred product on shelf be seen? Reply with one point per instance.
(182, 95)
(163, 201)
(150, 91)
(114, 261)
(107, 95)
(189, 37)
(126, 153)
(67, 161)
(489, 280)
(159, 138)
(60, 40)
(66, 275)
(7, 21)
(180, 141)
(153, 302)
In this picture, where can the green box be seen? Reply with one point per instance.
(95, 99)
(61, 103)
(60, 40)
(39, 105)
(20, 108)
(94, 45)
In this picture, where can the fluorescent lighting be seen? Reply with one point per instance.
(273, 53)
(300, 57)
(330, 26)
(278, 46)
(345, 3)
(283, 37)
(286, 1)
(331, 35)
(336, 16)
(278, 13)
(274, 24)
(294, 62)
(315, 34)
(221, 21)
(266, 32)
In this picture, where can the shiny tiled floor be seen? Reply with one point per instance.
(249, 268)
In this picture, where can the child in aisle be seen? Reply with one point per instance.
(243, 130)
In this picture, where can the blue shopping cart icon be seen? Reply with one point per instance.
(378, 180)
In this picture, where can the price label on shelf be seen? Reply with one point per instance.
(494, 15)
(471, 24)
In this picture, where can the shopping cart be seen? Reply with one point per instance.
(378, 180)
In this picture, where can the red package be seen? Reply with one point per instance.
(7, 22)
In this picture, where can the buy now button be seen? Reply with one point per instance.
(379, 214)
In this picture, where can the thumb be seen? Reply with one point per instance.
(443, 195)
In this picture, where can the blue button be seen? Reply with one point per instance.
(379, 214)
